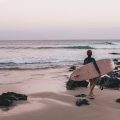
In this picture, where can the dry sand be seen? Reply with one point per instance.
(49, 100)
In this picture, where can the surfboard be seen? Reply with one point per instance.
(88, 71)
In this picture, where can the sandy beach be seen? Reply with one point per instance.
(48, 98)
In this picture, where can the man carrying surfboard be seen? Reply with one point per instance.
(87, 60)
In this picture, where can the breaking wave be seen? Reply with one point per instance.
(32, 63)
(49, 47)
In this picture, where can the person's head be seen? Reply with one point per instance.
(89, 53)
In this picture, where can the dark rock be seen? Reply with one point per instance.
(72, 68)
(6, 99)
(114, 74)
(80, 102)
(19, 96)
(101, 81)
(108, 82)
(113, 83)
(115, 60)
(116, 68)
(118, 100)
(71, 84)
(118, 63)
(115, 53)
(9, 96)
(14, 96)
(5, 102)
(81, 95)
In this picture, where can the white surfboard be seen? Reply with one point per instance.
(88, 71)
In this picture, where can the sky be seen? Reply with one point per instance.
(59, 19)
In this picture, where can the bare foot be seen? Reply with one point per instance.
(92, 94)
(91, 97)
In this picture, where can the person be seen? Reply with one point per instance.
(87, 60)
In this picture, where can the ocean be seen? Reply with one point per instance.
(45, 54)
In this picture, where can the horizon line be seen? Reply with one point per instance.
(56, 39)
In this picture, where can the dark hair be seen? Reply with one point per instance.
(89, 52)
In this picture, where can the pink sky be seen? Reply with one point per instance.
(59, 19)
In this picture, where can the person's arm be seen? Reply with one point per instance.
(96, 66)
(84, 62)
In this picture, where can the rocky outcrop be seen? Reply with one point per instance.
(80, 102)
(109, 81)
(72, 68)
(71, 84)
(7, 99)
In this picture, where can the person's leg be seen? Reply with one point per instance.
(92, 85)
(91, 82)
